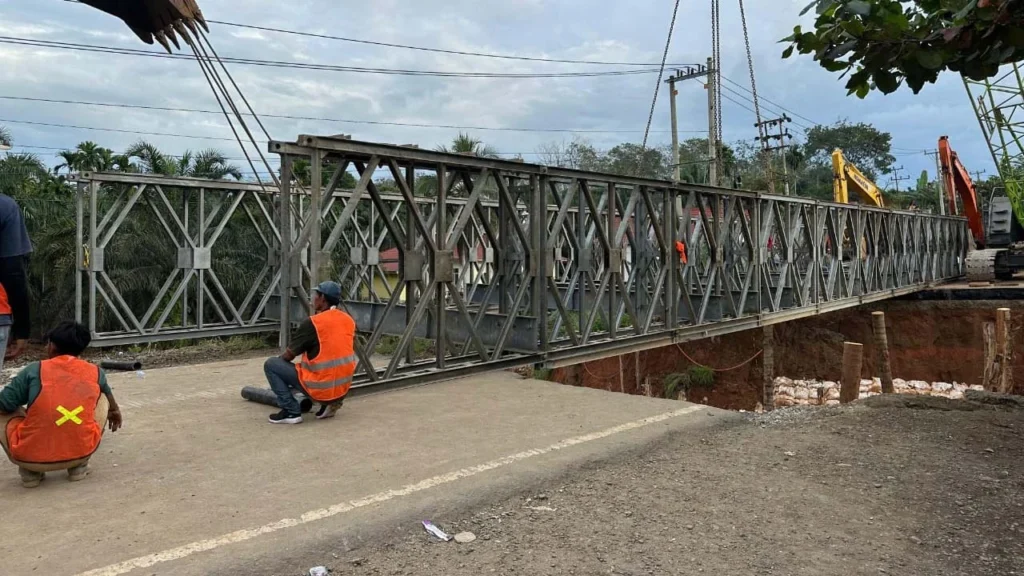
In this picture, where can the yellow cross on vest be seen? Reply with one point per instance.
(71, 415)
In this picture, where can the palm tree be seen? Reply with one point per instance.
(91, 157)
(208, 163)
(466, 144)
(6, 141)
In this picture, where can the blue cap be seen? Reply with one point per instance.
(331, 290)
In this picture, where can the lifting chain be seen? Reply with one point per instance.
(716, 60)
(657, 85)
(761, 132)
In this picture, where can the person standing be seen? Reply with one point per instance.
(326, 342)
(15, 247)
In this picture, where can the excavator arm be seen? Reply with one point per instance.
(847, 176)
(958, 183)
(159, 19)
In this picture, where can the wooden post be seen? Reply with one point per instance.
(1004, 351)
(853, 359)
(990, 372)
(882, 344)
(768, 369)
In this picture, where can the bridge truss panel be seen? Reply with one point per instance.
(173, 258)
(463, 264)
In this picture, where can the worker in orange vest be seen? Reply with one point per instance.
(68, 403)
(681, 250)
(326, 343)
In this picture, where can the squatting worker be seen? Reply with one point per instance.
(68, 403)
(15, 247)
(326, 342)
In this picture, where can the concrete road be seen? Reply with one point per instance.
(199, 483)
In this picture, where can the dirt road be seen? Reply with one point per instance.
(880, 487)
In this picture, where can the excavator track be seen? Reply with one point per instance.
(981, 265)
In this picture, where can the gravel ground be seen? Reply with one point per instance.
(884, 486)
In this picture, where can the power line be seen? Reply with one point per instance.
(744, 106)
(118, 130)
(436, 50)
(58, 149)
(761, 97)
(422, 48)
(315, 66)
(767, 108)
(322, 119)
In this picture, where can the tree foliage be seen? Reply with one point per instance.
(139, 256)
(887, 43)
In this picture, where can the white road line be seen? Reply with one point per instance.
(315, 515)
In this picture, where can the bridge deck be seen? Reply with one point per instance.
(195, 465)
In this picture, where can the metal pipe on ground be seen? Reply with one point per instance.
(123, 366)
(267, 396)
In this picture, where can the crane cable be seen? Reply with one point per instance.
(657, 87)
(716, 84)
(761, 130)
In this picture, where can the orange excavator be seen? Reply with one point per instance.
(999, 253)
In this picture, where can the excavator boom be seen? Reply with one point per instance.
(958, 183)
(847, 176)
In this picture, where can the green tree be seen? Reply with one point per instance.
(466, 144)
(868, 148)
(91, 157)
(209, 163)
(625, 160)
(887, 43)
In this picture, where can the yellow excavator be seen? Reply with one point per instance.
(847, 176)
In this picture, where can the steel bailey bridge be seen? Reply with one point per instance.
(454, 264)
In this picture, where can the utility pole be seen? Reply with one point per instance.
(940, 184)
(782, 137)
(978, 174)
(896, 178)
(681, 74)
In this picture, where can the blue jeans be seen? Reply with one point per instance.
(284, 381)
(4, 333)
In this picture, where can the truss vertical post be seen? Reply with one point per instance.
(540, 257)
(672, 258)
(613, 262)
(411, 236)
(441, 283)
(201, 291)
(316, 193)
(94, 190)
(284, 214)
(79, 248)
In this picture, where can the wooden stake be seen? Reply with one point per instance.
(853, 360)
(989, 374)
(1004, 351)
(768, 368)
(882, 344)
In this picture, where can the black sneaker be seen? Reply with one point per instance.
(283, 417)
(329, 410)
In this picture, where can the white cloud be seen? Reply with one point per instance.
(572, 29)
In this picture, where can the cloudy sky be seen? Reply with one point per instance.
(610, 109)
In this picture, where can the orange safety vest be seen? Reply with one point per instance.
(329, 376)
(681, 249)
(5, 306)
(61, 424)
